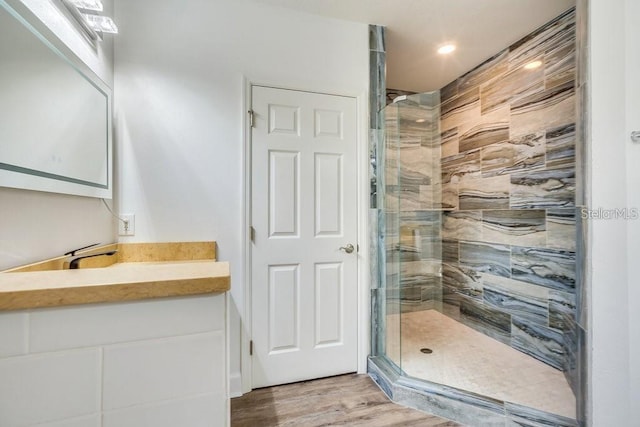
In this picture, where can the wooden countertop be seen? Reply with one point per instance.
(120, 282)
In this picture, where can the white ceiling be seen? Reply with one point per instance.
(415, 28)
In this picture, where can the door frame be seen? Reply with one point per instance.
(363, 270)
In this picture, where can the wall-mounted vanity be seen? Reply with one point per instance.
(136, 339)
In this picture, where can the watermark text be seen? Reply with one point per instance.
(610, 214)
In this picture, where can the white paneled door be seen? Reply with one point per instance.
(304, 252)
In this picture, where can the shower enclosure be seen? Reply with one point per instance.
(474, 314)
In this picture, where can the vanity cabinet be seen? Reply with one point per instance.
(157, 362)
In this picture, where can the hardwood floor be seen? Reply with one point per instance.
(346, 400)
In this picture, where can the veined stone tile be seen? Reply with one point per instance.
(582, 290)
(545, 267)
(431, 196)
(404, 198)
(561, 229)
(529, 152)
(431, 140)
(486, 258)
(448, 402)
(545, 344)
(510, 87)
(422, 218)
(492, 68)
(450, 251)
(461, 109)
(553, 188)
(582, 41)
(516, 300)
(432, 290)
(429, 100)
(451, 298)
(377, 83)
(484, 134)
(414, 273)
(449, 91)
(496, 158)
(582, 375)
(461, 166)
(570, 348)
(450, 196)
(409, 124)
(430, 249)
(560, 63)
(542, 39)
(485, 193)
(470, 130)
(462, 225)
(376, 38)
(514, 227)
(524, 416)
(581, 149)
(562, 310)
(418, 229)
(561, 146)
(408, 142)
(463, 101)
(413, 168)
(409, 245)
(373, 249)
(411, 293)
(412, 177)
(486, 319)
(523, 153)
(464, 281)
(410, 199)
(516, 286)
(543, 110)
(449, 141)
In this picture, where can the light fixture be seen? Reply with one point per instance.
(421, 120)
(102, 24)
(533, 65)
(446, 49)
(88, 14)
(95, 5)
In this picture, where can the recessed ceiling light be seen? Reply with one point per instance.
(533, 65)
(446, 49)
(421, 120)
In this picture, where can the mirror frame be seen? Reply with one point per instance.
(20, 178)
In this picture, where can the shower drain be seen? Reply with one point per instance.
(426, 350)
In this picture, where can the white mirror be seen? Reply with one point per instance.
(55, 113)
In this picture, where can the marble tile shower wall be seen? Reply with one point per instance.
(412, 204)
(377, 96)
(508, 142)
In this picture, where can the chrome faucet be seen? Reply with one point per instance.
(73, 265)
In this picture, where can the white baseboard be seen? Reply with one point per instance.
(235, 384)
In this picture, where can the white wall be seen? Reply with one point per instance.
(179, 110)
(633, 196)
(614, 244)
(36, 225)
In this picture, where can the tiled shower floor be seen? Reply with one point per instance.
(468, 360)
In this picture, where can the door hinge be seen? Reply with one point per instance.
(250, 118)
(252, 234)
(251, 348)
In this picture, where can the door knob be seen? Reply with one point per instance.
(348, 249)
